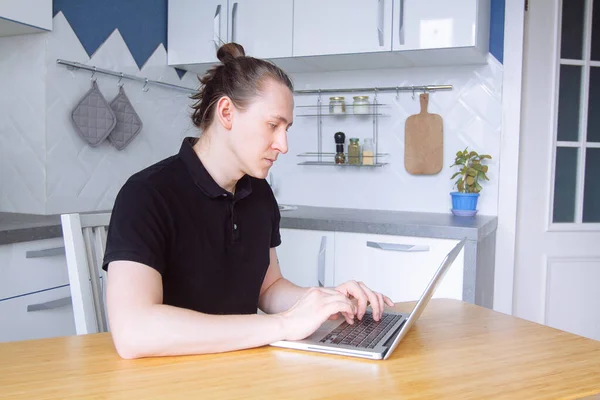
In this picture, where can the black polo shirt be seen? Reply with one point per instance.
(211, 247)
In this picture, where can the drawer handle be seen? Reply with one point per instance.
(380, 21)
(398, 246)
(401, 24)
(55, 251)
(49, 305)
(322, 260)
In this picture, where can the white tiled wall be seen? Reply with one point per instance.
(472, 116)
(47, 168)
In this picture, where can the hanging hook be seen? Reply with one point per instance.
(413, 92)
(145, 89)
(119, 84)
(397, 93)
(92, 77)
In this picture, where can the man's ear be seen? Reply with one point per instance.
(224, 112)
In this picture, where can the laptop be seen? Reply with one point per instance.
(368, 338)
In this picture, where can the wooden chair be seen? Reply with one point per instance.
(85, 241)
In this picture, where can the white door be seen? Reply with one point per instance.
(263, 27)
(558, 222)
(196, 29)
(432, 24)
(342, 26)
(306, 257)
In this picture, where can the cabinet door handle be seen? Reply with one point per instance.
(217, 27)
(49, 305)
(398, 246)
(55, 251)
(381, 5)
(234, 13)
(401, 22)
(322, 259)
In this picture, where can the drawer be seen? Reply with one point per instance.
(22, 275)
(383, 263)
(36, 316)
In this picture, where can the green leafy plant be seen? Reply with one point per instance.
(471, 171)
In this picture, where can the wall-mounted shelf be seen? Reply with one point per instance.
(322, 156)
(322, 110)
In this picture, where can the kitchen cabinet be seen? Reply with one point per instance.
(342, 27)
(306, 257)
(34, 291)
(27, 267)
(401, 275)
(25, 16)
(263, 27)
(334, 35)
(38, 315)
(439, 24)
(197, 29)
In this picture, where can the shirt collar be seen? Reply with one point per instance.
(202, 178)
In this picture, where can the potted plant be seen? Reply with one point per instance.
(471, 170)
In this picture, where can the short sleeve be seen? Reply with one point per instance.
(275, 235)
(138, 229)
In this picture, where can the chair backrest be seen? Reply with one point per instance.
(85, 241)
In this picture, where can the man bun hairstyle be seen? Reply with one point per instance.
(239, 77)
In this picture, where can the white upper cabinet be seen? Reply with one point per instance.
(438, 24)
(263, 27)
(25, 16)
(315, 35)
(342, 26)
(196, 29)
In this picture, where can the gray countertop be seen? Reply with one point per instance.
(27, 227)
(402, 223)
(16, 228)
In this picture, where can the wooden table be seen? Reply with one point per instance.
(455, 351)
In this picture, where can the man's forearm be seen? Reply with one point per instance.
(160, 330)
(280, 296)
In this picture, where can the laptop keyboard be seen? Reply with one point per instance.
(365, 333)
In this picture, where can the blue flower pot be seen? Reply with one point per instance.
(464, 204)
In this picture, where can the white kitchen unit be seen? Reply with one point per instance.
(197, 29)
(25, 16)
(38, 315)
(23, 269)
(34, 292)
(342, 27)
(436, 24)
(306, 257)
(312, 35)
(398, 266)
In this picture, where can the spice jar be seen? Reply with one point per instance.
(337, 105)
(367, 152)
(354, 152)
(361, 104)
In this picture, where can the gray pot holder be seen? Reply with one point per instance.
(129, 123)
(93, 118)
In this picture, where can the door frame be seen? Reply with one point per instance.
(508, 177)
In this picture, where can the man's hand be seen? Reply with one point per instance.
(316, 306)
(363, 296)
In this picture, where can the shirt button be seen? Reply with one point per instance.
(234, 226)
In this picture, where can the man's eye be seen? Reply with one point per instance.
(273, 126)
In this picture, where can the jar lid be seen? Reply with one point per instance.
(361, 97)
(354, 140)
(337, 98)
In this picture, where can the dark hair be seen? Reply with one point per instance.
(238, 77)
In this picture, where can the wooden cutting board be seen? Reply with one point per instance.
(423, 141)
